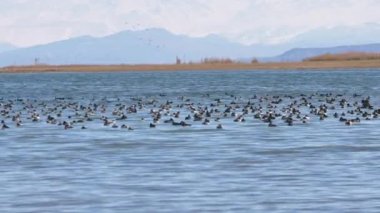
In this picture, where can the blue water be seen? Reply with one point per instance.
(321, 166)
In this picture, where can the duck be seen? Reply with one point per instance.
(271, 124)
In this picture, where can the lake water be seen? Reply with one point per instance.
(321, 166)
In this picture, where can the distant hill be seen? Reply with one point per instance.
(322, 37)
(128, 47)
(299, 54)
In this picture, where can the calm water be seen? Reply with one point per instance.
(246, 167)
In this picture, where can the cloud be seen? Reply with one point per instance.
(29, 22)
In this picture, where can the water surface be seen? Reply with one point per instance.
(322, 166)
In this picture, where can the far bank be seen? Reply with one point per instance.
(307, 65)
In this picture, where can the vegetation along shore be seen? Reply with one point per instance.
(337, 61)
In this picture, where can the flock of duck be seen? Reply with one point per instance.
(183, 112)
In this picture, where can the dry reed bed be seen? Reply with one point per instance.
(348, 56)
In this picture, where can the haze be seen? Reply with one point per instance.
(268, 22)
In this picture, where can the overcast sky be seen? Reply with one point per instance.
(29, 22)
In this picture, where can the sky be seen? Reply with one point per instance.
(30, 22)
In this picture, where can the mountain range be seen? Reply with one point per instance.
(127, 47)
(158, 46)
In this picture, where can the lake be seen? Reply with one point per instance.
(319, 166)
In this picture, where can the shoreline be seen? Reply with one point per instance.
(309, 65)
